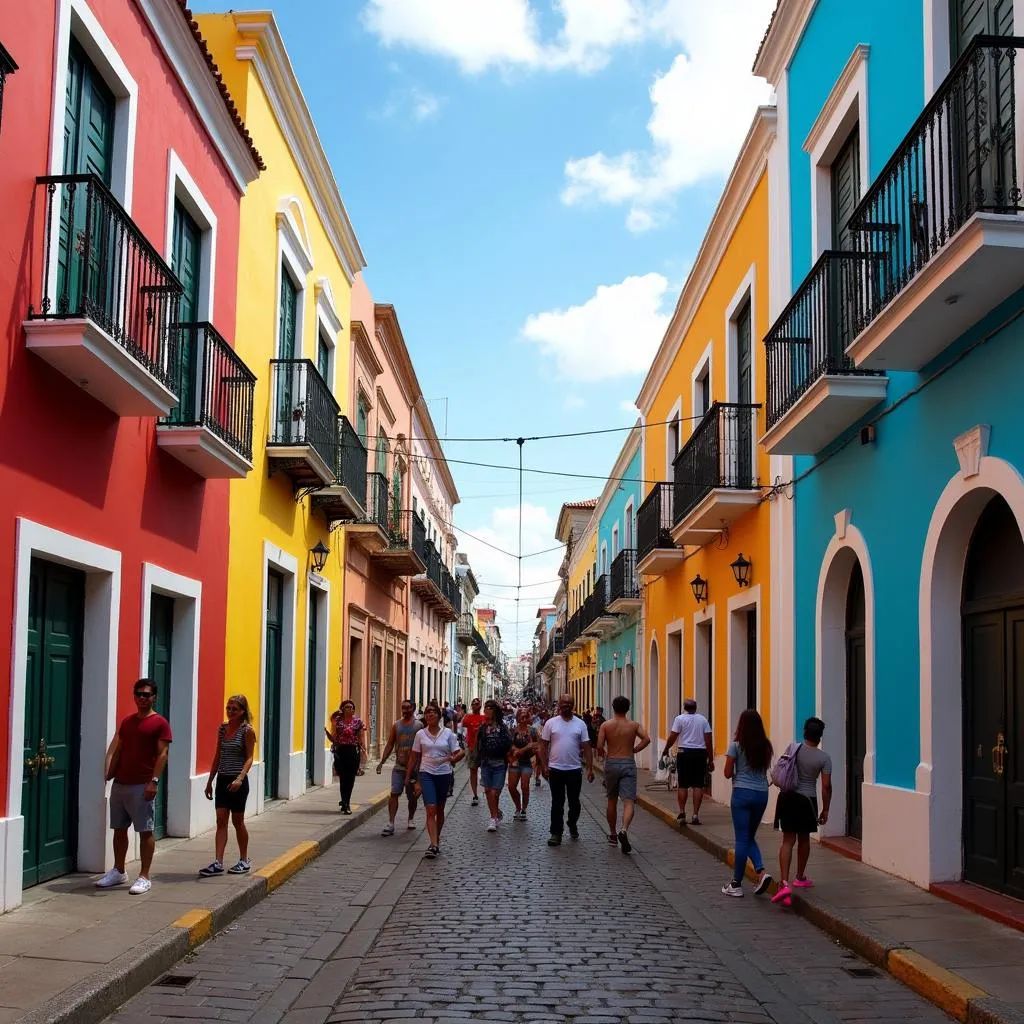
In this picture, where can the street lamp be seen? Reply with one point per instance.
(319, 553)
(699, 586)
(741, 570)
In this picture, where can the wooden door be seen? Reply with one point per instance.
(161, 637)
(52, 721)
(969, 18)
(272, 685)
(856, 703)
(745, 396)
(288, 399)
(751, 639)
(186, 262)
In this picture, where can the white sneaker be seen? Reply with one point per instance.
(140, 886)
(412, 824)
(111, 878)
(493, 826)
(388, 830)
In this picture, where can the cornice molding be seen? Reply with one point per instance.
(290, 228)
(835, 97)
(388, 333)
(326, 305)
(363, 347)
(385, 406)
(629, 448)
(780, 42)
(750, 166)
(265, 50)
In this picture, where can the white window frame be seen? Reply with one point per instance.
(744, 294)
(329, 326)
(291, 249)
(704, 368)
(629, 525)
(937, 44)
(321, 763)
(736, 650)
(675, 415)
(616, 548)
(181, 187)
(704, 656)
(604, 558)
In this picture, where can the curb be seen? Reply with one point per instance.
(945, 989)
(101, 993)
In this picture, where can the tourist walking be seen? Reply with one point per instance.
(348, 743)
(796, 812)
(564, 750)
(232, 761)
(747, 762)
(618, 742)
(525, 744)
(493, 743)
(695, 757)
(434, 751)
(471, 723)
(135, 760)
(403, 732)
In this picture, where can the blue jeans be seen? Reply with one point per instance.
(747, 811)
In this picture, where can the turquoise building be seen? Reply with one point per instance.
(892, 412)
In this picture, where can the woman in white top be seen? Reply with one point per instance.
(434, 750)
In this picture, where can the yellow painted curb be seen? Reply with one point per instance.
(198, 923)
(280, 869)
(945, 989)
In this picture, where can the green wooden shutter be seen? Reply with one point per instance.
(744, 368)
(845, 190)
(969, 18)
(161, 641)
(186, 241)
(88, 119)
(323, 358)
(286, 326)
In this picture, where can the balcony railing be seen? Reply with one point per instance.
(624, 582)
(596, 604)
(958, 159)
(654, 521)
(377, 501)
(719, 453)
(97, 265)
(350, 464)
(303, 410)
(809, 339)
(464, 627)
(214, 387)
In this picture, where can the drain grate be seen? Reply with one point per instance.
(175, 980)
(862, 972)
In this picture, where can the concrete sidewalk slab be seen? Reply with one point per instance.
(74, 953)
(965, 963)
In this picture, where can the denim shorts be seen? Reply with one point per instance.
(522, 769)
(129, 807)
(435, 788)
(398, 786)
(493, 775)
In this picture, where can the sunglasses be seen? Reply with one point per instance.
(144, 695)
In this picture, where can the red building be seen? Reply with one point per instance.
(123, 411)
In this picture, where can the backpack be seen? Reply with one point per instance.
(786, 774)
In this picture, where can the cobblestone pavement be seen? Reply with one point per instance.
(502, 928)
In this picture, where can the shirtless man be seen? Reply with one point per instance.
(618, 741)
(403, 732)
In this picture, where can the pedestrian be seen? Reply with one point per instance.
(471, 723)
(618, 742)
(796, 812)
(232, 761)
(695, 757)
(135, 760)
(348, 743)
(493, 742)
(747, 762)
(403, 732)
(564, 749)
(525, 744)
(434, 751)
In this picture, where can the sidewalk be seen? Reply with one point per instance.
(73, 953)
(966, 964)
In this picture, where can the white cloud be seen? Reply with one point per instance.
(574, 402)
(412, 102)
(424, 104)
(615, 333)
(627, 405)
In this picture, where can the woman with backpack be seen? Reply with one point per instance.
(796, 813)
(493, 742)
(747, 762)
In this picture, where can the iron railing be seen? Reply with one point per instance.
(401, 526)
(464, 627)
(350, 464)
(97, 264)
(596, 604)
(574, 627)
(958, 159)
(214, 387)
(809, 339)
(624, 581)
(303, 410)
(719, 453)
(654, 521)
(377, 501)
(418, 538)
(7, 67)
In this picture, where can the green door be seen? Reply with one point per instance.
(186, 263)
(323, 359)
(312, 725)
(272, 688)
(49, 793)
(969, 18)
(161, 634)
(288, 426)
(744, 429)
(363, 424)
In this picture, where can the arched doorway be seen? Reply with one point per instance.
(993, 701)
(856, 701)
(653, 670)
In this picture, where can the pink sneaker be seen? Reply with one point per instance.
(802, 883)
(784, 894)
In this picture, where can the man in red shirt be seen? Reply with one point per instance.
(472, 723)
(135, 761)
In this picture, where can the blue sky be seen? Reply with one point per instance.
(530, 181)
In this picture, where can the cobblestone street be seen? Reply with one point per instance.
(502, 928)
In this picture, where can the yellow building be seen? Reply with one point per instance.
(577, 530)
(298, 257)
(706, 617)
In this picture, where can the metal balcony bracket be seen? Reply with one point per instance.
(305, 492)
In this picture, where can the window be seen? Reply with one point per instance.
(615, 540)
(702, 394)
(323, 357)
(363, 421)
(845, 190)
(627, 521)
(672, 438)
(286, 327)
(382, 453)
(744, 356)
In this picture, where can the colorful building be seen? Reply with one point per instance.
(893, 411)
(577, 530)
(125, 412)
(704, 535)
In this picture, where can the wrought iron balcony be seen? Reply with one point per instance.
(399, 556)
(943, 217)
(108, 304)
(716, 473)
(656, 552)
(574, 636)
(7, 67)
(371, 531)
(625, 584)
(303, 441)
(436, 585)
(464, 628)
(344, 499)
(210, 431)
(597, 619)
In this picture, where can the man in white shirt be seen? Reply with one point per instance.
(694, 759)
(564, 748)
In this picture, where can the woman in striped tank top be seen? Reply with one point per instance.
(232, 759)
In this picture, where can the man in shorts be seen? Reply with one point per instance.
(135, 760)
(471, 723)
(403, 732)
(618, 742)
(694, 759)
